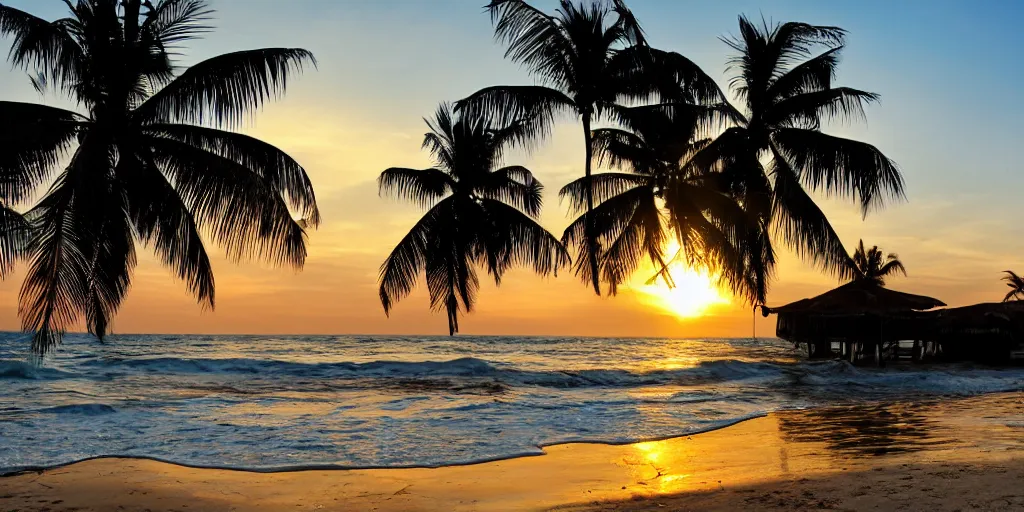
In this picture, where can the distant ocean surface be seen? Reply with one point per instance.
(279, 402)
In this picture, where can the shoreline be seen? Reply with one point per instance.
(789, 452)
(337, 467)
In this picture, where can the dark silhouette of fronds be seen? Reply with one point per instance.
(871, 265)
(784, 76)
(479, 213)
(585, 57)
(151, 160)
(659, 193)
(1016, 284)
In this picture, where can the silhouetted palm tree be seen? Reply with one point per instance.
(1016, 284)
(659, 195)
(586, 57)
(786, 94)
(478, 214)
(152, 163)
(869, 265)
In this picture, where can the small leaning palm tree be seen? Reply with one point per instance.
(869, 265)
(787, 93)
(1016, 284)
(586, 58)
(151, 158)
(479, 213)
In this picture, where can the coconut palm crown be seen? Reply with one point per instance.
(776, 154)
(585, 57)
(479, 213)
(1016, 284)
(149, 158)
(872, 266)
(657, 193)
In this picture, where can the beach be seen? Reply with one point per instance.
(934, 454)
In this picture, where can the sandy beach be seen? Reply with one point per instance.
(962, 454)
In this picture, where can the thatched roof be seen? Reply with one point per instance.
(979, 312)
(859, 298)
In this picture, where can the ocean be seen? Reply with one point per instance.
(287, 402)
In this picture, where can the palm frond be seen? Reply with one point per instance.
(277, 169)
(731, 147)
(522, 133)
(804, 225)
(55, 287)
(592, 231)
(891, 267)
(110, 251)
(678, 122)
(628, 24)
(42, 46)
(504, 105)
(225, 89)
(841, 167)
(533, 38)
(15, 236)
(514, 238)
(795, 40)
(643, 73)
(232, 203)
(806, 110)
(812, 75)
(421, 186)
(514, 185)
(1016, 284)
(399, 271)
(718, 234)
(173, 22)
(440, 140)
(33, 139)
(624, 150)
(605, 186)
(449, 272)
(642, 235)
(163, 222)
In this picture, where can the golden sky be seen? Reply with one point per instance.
(384, 66)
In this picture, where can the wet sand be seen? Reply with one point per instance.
(965, 454)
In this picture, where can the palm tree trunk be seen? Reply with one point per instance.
(590, 225)
(131, 19)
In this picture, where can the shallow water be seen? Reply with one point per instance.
(294, 401)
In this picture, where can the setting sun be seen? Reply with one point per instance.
(693, 294)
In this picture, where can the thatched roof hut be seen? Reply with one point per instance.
(860, 312)
(858, 298)
(989, 332)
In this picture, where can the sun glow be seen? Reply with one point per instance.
(692, 296)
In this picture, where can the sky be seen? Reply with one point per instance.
(948, 73)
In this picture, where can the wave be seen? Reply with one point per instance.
(82, 409)
(13, 369)
(466, 367)
(470, 374)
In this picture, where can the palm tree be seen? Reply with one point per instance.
(478, 213)
(585, 57)
(1016, 284)
(152, 160)
(658, 193)
(776, 152)
(870, 266)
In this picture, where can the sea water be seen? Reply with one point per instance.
(284, 402)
